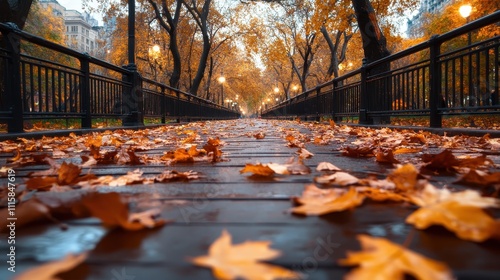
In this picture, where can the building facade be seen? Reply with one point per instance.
(82, 31)
(426, 6)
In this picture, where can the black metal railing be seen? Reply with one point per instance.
(61, 83)
(444, 75)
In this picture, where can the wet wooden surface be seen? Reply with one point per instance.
(249, 209)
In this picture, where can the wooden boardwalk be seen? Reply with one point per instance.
(248, 207)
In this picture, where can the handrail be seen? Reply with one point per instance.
(455, 82)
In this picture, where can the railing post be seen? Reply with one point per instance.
(86, 121)
(318, 104)
(13, 81)
(363, 96)
(435, 83)
(163, 105)
(177, 107)
(133, 103)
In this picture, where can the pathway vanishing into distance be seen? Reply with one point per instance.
(248, 207)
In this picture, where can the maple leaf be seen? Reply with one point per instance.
(242, 261)
(259, 135)
(332, 203)
(212, 147)
(382, 259)
(447, 161)
(362, 151)
(176, 176)
(303, 153)
(326, 166)
(404, 177)
(258, 169)
(479, 178)
(49, 271)
(338, 178)
(386, 156)
(466, 221)
(113, 212)
(381, 194)
(27, 212)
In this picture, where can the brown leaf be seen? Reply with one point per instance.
(386, 156)
(322, 206)
(338, 178)
(363, 151)
(382, 259)
(479, 178)
(212, 147)
(259, 135)
(176, 176)
(113, 212)
(326, 166)
(26, 212)
(242, 261)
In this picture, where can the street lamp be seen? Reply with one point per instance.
(465, 11)
(221, 81)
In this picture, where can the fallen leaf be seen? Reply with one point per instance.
(338, 178)
(326, 166)
(259, 135)
(258, 169)
(333, 203)
(359, 151)
(173, 175)
(49, 271)
(303, 153)
(382, 259)
(467, 222)
(242, 261)
(113, 212)
(386, 156)
(404, 177)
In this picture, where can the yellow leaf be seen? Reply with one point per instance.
(242, 261)
(381, 259)
(466, 221)
(404, 177)
(332, 203)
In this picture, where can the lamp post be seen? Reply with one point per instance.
(221, 81)
(465, 11)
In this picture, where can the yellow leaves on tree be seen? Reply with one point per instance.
(382, 259)
(242, 261)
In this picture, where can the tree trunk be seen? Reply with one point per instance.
(201, 19)
(378, 95)
(374, 42)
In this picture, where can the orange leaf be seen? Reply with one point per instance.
(339, 178)
(113, 212)
(466, 221)
(382, 259)
(358, 151)
(258, 169)
(477, 178)
(404, 177)
(334, 203)
(242, 261)
(385, 157)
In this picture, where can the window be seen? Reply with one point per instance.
(74, 28)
